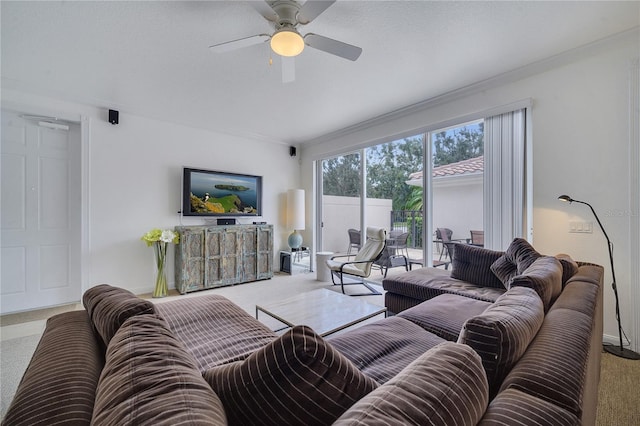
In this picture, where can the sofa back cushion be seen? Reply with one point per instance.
(109, 307)
(473, 264)
(445, 386)
(502, 333)
(544, 276)
(298, 379)
(150, 379)
(60, 382)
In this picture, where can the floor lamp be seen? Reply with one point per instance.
(612, 349)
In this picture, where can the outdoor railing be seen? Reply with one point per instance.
(408, 221)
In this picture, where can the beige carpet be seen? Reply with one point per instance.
(619, 392)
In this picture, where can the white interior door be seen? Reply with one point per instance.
(40, 214)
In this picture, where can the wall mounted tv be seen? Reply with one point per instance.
(214, 193)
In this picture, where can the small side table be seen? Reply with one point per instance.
(323, 272)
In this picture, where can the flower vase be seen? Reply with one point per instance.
(161, 289)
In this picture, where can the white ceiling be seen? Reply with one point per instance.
(152, 58)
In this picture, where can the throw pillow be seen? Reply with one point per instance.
(521, 253)
(298, 379)
(504, 269)
(149, 378)
(502, 333)
(544, 276)
(109, 307)
(569, 267)
(445, 386)
(473, 264)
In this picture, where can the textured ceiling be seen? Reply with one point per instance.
(152, 58)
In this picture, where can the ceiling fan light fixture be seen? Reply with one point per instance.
(287, 42)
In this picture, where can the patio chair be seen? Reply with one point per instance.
(477, 238)
(354, 240)
(397, 243)
(360, 267)
(443, 235)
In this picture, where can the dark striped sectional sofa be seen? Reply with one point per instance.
(528, 358)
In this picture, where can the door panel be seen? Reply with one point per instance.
(40, 215)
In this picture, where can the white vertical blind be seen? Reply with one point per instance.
(504, 178)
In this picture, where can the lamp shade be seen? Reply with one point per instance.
(287, 42)
(295, 209)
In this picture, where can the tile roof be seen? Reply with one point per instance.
(464, 167)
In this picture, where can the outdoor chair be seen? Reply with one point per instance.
(354, 240)
(360, 267)
(477, 238)
(397, 243)
(443, 235)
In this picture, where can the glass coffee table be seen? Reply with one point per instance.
(323, 310)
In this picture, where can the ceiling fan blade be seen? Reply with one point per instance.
(264, 9)
(288, 69)
(239, 44)
(335, 47)
(311, 9)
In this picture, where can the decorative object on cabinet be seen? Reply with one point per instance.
(159, 239)
(215, 256)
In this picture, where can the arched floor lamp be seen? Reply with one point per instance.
(612, 349)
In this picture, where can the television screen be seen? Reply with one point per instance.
(214, 193)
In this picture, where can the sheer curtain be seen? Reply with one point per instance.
(504, 178)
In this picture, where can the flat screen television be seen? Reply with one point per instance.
(215, 193)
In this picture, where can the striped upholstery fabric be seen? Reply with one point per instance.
(554, 366)
(214, 329)
(544, 276)
(150, 379)
(503, 332)
(569, 267)
(522, 254)
(59, 385)
(513, 407)
(446, 386)
(444, 315)
(424, 283)
(109, 307)
(298, 379)
(383, 348)
(473, 264)
(504, 269)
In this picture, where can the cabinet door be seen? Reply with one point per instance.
(190, 261)
(231, 250)
(249, 253)
(213, 257)
(264, 259)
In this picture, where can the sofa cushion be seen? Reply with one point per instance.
(109, 307)
(298, 379)
(553, 369)
(150, 379)
(59, 385)
(210, 327)
(502, 333)
(383, 348)
(473, 264)
(444, 315)
(424, 283)
(544, 276)
(444, 386)
(514, 407)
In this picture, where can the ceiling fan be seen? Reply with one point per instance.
(286, 16)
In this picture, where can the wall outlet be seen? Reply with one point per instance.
(581, 227)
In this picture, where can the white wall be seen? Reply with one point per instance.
(580, 147)
(133, 171)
